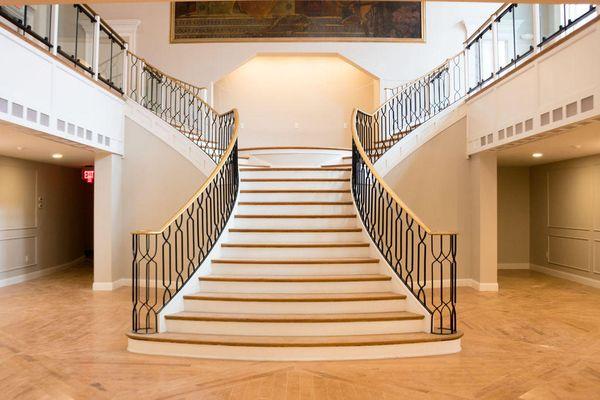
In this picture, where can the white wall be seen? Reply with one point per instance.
(452, 193)
(534, 100)
(42, 93)
(36, 236)
(296, 100)
(393, 63)
(140, 191)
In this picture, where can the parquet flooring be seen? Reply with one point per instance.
(538, 338)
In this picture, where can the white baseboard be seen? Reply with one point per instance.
(513, 265)
(472, 283)
(566, 275)
(108, 286)
(13, 280)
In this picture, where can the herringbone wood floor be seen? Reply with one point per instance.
(538, 338)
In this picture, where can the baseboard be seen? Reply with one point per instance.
(566, 275)
(13, 280)
(513, 265)
(468, 282)
(109, 286)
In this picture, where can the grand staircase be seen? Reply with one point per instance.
(295, 277)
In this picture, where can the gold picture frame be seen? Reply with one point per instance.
(421, 39)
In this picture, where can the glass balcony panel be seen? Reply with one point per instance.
(117, 65)
(104, 55)
(486, 44)
(76, 35)
(473, 58)
(550, 19)
(506, 39)
(35, 20)
(523, 15)
(85, 40)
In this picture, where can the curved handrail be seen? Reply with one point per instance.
(383, 184)
(166, 259)
(208, 181)
(425, 260)
(182, 83)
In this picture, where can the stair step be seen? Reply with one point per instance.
(296, 341)
(295, 278)
(323, 230)
(254, 166)
(296, 297)
(297, 261)
(298, 318)
(295, 169)
(336, 166)
(295, 191)
(309, 216)
(295, 203)
(294, 245)
(295, 180)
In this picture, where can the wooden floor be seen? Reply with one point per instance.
(538, 338)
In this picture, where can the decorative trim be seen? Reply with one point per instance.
(422, 39)
(37, 274)
(566, 275)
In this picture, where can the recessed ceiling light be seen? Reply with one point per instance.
(57, 155)
(537, 155)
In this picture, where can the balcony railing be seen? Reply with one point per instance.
(507, 38)
(75, 33)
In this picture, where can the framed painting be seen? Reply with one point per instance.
(297, 20)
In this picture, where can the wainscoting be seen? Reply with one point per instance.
(45, 219)
(565, 217)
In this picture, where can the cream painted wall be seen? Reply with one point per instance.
(154, 181)
(513, 216)
(32, 238)
(450, 192)
(394, 63)
(565, 216)
(296, 100)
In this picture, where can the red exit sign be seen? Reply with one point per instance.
(87, 175)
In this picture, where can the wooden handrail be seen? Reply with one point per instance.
(382, 182)
(208, 181)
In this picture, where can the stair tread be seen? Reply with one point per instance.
(295, 191)
(295, 203)
(296, 245)
(296, 297)
(295, 180)
(300, 230)
(335, 165)
(297, 169)
(255, 165)
(295, 278)
(296, 341)
(295, 215)
(350, 260)
(341, 317)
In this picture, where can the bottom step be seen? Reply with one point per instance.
(295, 348)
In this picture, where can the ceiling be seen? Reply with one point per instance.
(576, 142)
(21, 142)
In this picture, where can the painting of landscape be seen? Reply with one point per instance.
(205, 21)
